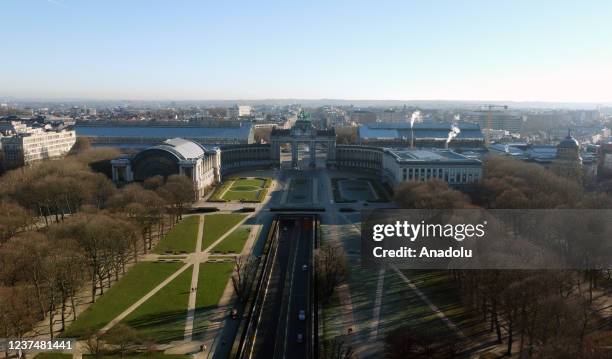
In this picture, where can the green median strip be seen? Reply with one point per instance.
(140, 280)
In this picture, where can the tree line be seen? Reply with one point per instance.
(65, 227)
(543, 313)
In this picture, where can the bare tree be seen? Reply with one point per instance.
(123, 336)
(331, 270)
(178, 191)
(245, 270)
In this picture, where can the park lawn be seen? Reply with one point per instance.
(249, 182)
(138, 281)
(242, 195)
(245, 190)
(181, 238)
(439, 287)
(215, 225)
(211, 284)
(162, 317)
(234, 242)
(416, 314)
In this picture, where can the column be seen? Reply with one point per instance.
(313, 154)
(294, 153)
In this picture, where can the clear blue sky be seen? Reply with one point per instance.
(479, 50)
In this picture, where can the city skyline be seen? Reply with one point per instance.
(473, 51)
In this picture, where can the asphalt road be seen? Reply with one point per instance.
(287, 294)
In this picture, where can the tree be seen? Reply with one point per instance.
(81, 145)
(245, 270)
(346, 135)
(178, 191)
(331, 270)
(122, 335)
(262, 135)
(13, 217)
(336, 348)
(104, 241)
(432, 194)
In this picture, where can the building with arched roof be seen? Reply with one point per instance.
(173, 156)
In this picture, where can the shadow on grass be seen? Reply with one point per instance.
(161, 327)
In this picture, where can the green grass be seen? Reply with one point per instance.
(53, 356)
(215, 225)
(246, 189)
(162, 317)
(137, 282)
(211, 284)
(182, 237)
(234, 242)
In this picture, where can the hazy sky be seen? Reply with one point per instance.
(479, 50)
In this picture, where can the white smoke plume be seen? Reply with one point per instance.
(453, 133)
(416, 117)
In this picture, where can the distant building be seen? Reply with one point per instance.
(238, 111)
(425, 164)
(604, 160)
(363, 116)
(565, 159)
(393, 115)
(399, 165)
(568, 162)
(423, 134)
(22, 144)
(245, 111)
(495, 120)
(146, 135)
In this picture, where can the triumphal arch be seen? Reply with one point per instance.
(303, 132)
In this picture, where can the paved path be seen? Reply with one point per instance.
(377, 305)
(133, 307)
(194, 285)
(449, 323)
(229, 231)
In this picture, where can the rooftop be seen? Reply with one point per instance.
(429, 155)
(423, 130)
(239, 132)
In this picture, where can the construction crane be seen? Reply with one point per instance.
(489, 123)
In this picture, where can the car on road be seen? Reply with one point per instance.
(302, 315)
(234, 313)
(300, 338)
(304, 267)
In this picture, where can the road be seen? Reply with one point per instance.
(287, 294)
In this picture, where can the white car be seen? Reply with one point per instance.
(302, 315)
(300, 338)
(305, 267)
